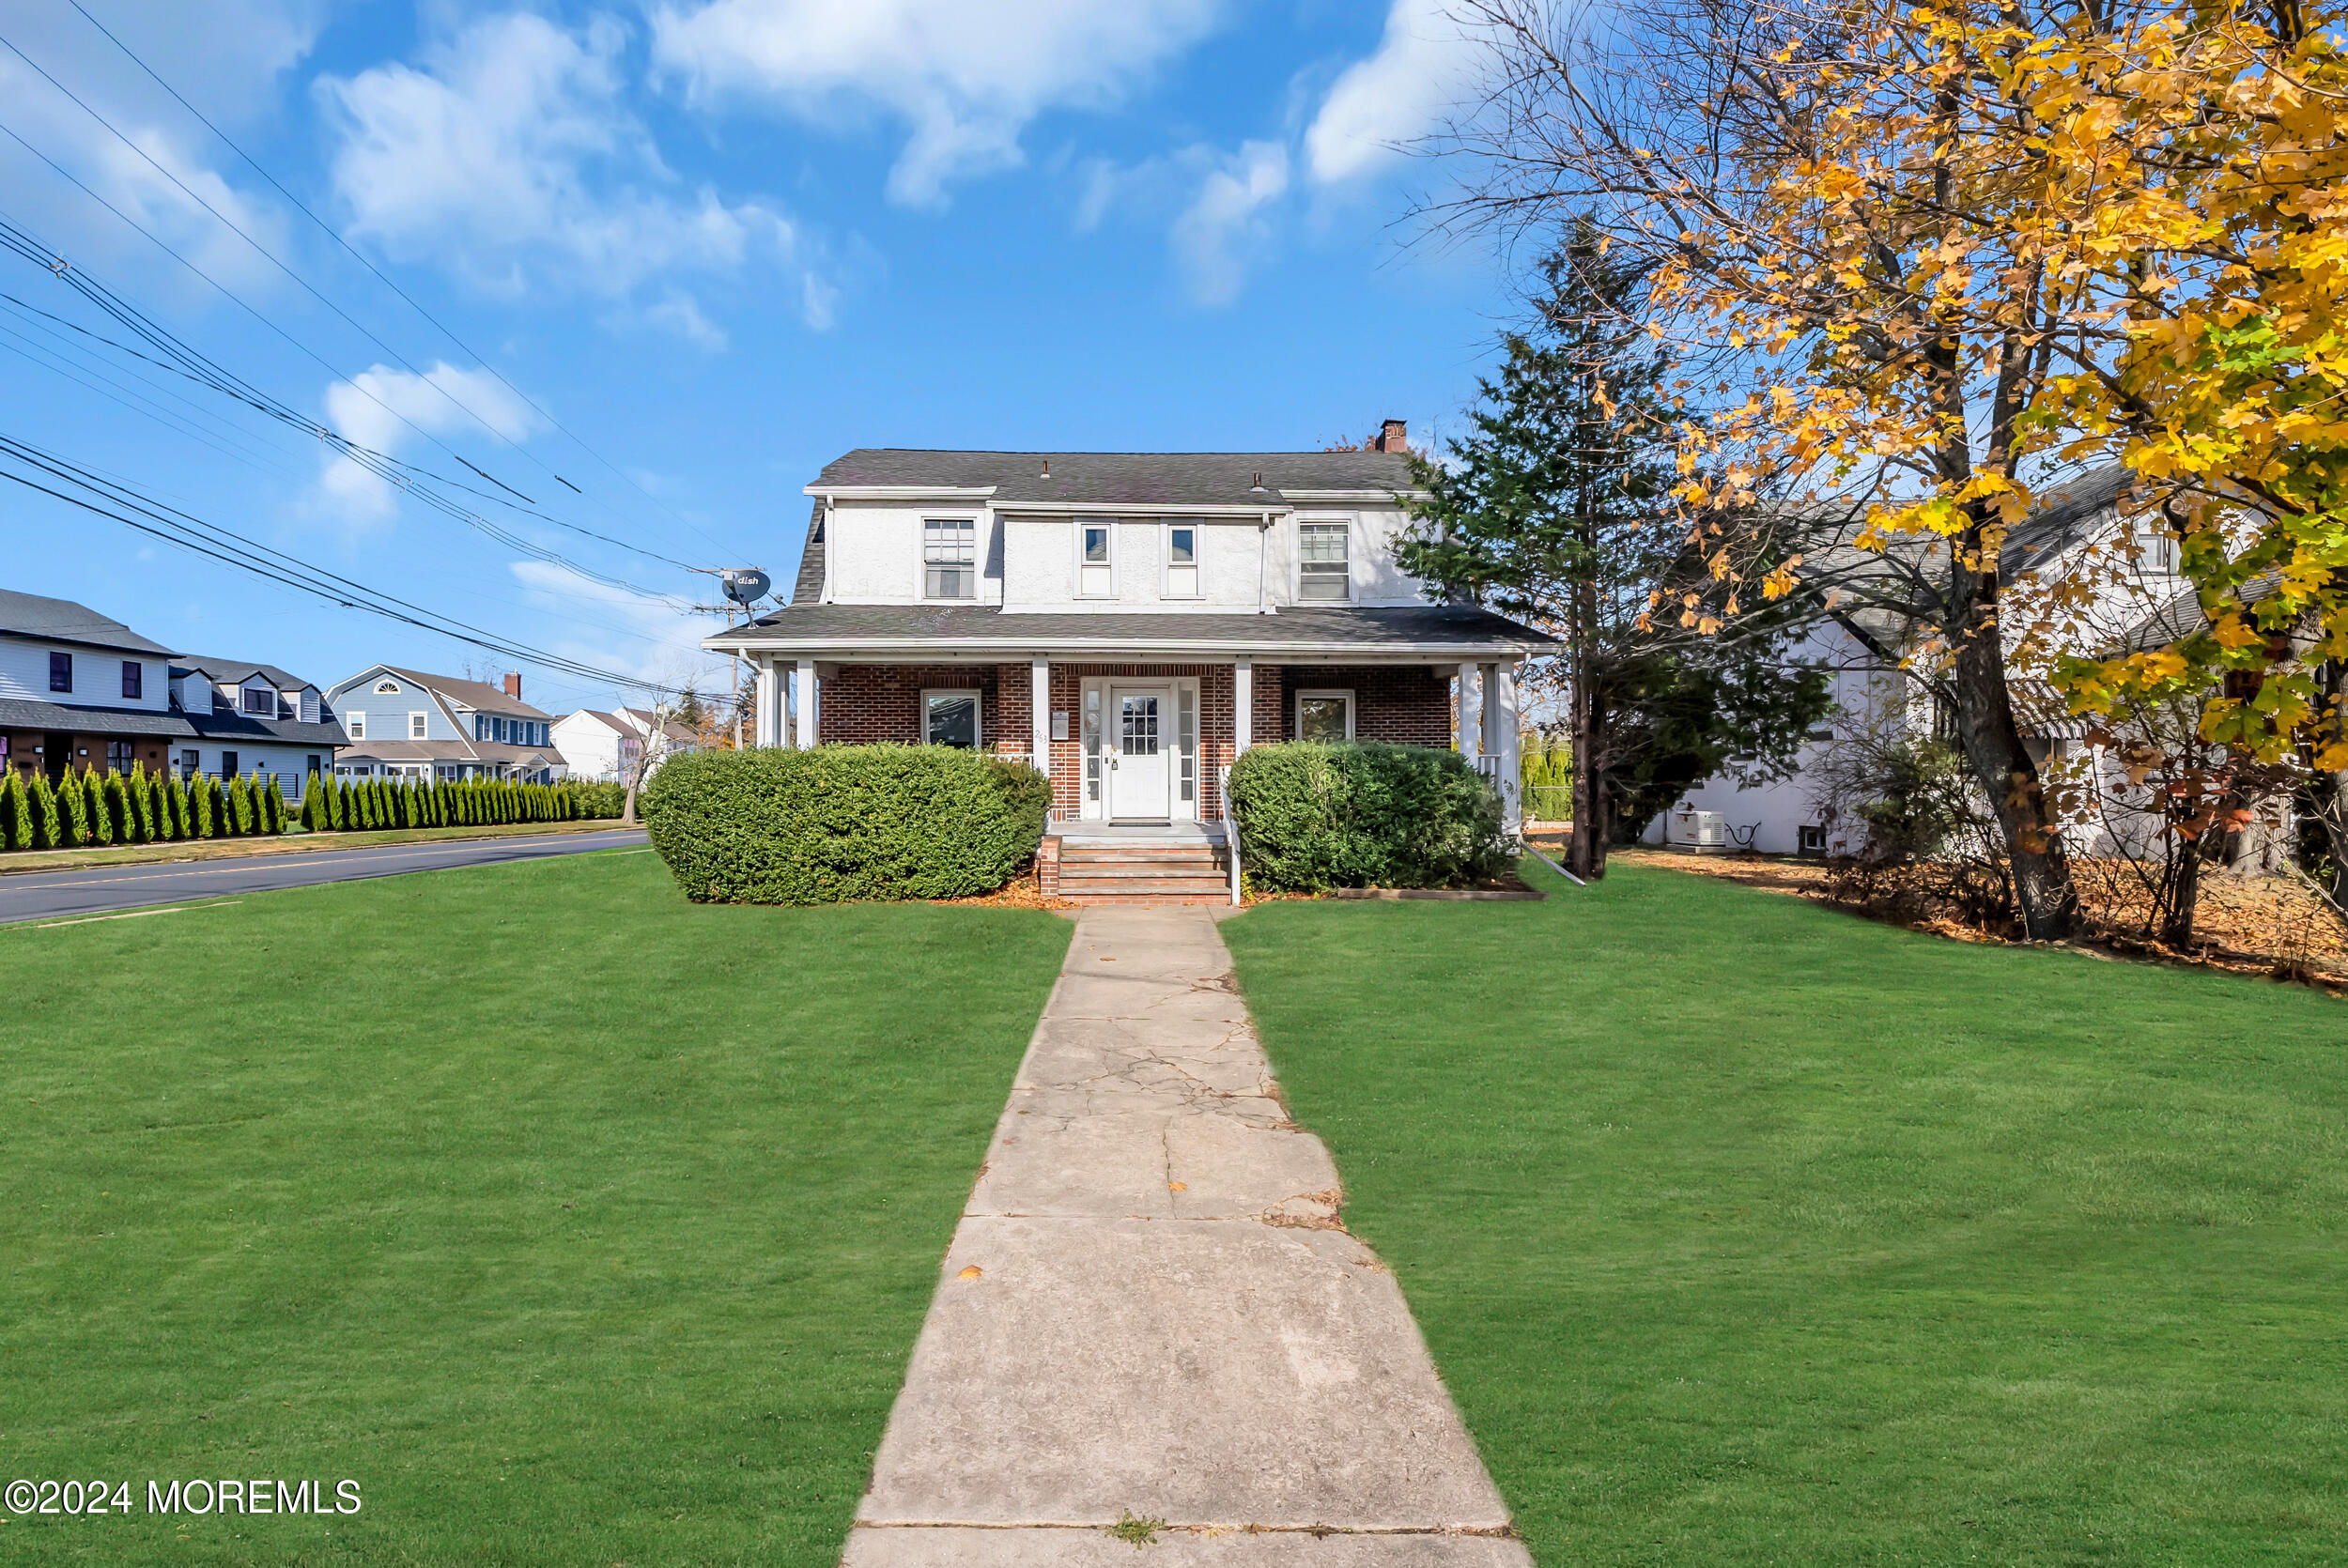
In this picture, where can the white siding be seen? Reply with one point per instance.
(97, 676)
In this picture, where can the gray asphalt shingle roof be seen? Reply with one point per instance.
(237, 672)
(1121, 479)
(63, 621)
(22, 714)
(1314, 628)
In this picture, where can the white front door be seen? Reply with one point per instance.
(1141, 747)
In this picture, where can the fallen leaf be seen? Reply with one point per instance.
(972, 1272)
(1178, 1186)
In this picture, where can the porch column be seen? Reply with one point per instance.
(1471, 729)
(804, 693)
(1040, 725)
(1501, 709)
(766, 702)
(1242, 704)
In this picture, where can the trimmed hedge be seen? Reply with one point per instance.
(840, 823)
(1315, 815)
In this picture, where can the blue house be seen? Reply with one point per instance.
(408, 724)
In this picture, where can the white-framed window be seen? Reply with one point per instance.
(1324, 716)
(1096, 558)
(949, 562)
(1324, 565)
(387, 688)
(1182, 560)
(417, 724)
(258, 700)
(950, 717)
(355, 725)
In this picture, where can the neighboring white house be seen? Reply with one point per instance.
(82, 690)
(252, 719)
(2090, 533)
(609, 745)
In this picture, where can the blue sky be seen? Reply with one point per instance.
(717, 243)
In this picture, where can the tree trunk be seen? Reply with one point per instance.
(627, 808)
(2185, 896)
(2048, 903)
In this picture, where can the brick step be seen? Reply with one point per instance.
(1188, 886)
(1071, 852)
(1132, 901)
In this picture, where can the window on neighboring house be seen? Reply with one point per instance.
(190, 763)
(497, 730)
(1096, 574)
(120, 756)
(134, 680)
(60, 672)
(228, 764)
(417, 726)
(1181, 562)
(315, 762)
(259, 700)
(1324, 716)
(948, 559)
(950, 718)
(1809, 839)
(355, 725)
(309, 707)
(1322, 569)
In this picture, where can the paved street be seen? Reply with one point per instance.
(59, 895)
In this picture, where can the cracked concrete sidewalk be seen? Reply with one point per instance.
(1151, 1309)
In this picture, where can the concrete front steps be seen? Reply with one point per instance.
(1168, 866)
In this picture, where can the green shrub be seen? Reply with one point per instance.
(176, 802)
(16, 811)
(203, 815)
(48, 814)
(72, 812)
(1314, 815)
(599, 799)
(840, 823)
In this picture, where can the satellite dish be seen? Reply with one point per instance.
(746, 585)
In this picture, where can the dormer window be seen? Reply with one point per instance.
(1323, 569)
(1182, 560)
(948, 558)
(1096, 574)
(261, 700)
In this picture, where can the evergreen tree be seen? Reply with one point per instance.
(48, 814)
(201, 823)
(138, 815)
(72, 812)
(1555, 508)
(16, 824)
(96, 818)
(176, 803)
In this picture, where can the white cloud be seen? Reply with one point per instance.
(1226, 217)
(649, 638)
(966, 78)
(1399, 93)
(511, 158)
(382, 408)
(679, 312)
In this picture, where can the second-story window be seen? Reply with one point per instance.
(60, 672)
(948, 559)
(133, 679)
(1322, 569)
(261, 700)
(1096, 576)
(1181, 562)
(355, 725)
(416, 722)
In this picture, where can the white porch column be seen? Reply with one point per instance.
(1471, 725)
(766, 702)
(1242, 704)
(1040, 729)
(803, 693)
(1501, 710)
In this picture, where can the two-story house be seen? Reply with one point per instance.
(1130, 621)
(406, 724)
(80, 690)
(252, 719)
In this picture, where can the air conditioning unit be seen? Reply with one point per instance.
(1698, 830)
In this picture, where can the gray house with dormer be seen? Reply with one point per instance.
(411, 724)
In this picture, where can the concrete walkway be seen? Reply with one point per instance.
(1151, 1308)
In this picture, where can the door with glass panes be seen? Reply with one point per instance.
(1141, 752)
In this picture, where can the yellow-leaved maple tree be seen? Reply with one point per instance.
(1945, 257)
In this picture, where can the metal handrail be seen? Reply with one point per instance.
(1230, 826)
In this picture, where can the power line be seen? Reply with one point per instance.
(123, 504)
(34, 251)
(359, 257)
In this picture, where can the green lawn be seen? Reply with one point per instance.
(1746, 1232)
(578, 1225)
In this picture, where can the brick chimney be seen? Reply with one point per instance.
(514, 685)
(1394, 435)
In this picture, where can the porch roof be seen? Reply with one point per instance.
(1433, 631)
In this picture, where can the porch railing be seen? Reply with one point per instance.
(1231, 827)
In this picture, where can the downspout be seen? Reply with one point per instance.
(1263, 554)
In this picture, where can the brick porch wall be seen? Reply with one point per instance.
(1214, 726)
(863, 704)
(1407, 704)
